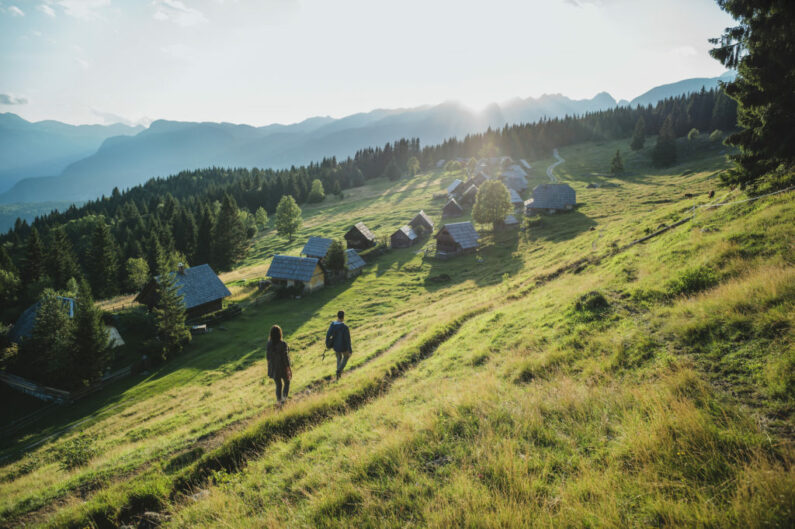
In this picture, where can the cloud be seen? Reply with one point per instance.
(47, 10)
(83, 9)
(15, 11)
(176, 11)
(84, 64)
(8, 99)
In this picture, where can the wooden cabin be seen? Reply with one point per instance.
(550, 198)
(359, 237)
(456, 238)
(317, 247)
(403, 238)
(289, 271)
(355, 263)
(469, 197)
(421, 223)
(201, 289)
(452, 209)
(516, 200)
(455, 188)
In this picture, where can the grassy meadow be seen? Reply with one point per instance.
(553, 381)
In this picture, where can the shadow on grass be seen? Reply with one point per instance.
(559, 227)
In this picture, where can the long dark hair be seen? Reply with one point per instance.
(276, 335)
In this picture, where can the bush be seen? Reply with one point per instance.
(76, 452)
(716, 135)
(693, 280)
(590, 306)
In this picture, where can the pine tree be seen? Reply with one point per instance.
(33, 268)
(492, 203)
(61, 260)
(170, 317)
(288, 217)
(103, 265)
(762, 50)
(336, 258)
(617, 165)
(204, 239)
(261, 217)
(229, 237)
(316, 194)
(89, 340)
(639, 135)
(47, 352)
(664, 153)
(156, 259)
(392, 171)
(6, 263)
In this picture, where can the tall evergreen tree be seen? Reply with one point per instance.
(204, 239)
(170, 317)
(33, 268)
(638, 135)
(46, 353)
(762, 50)
(229, 236)
(61, 261)
(664, 153)
(617, 165)
(336, 258)
(103, 264)
(89, 340)
(288, 217)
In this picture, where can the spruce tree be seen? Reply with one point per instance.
(61, 260)
(90, 347)
(6, 263)
(336, 258)
(47, 352)
(639, 135)
(103, 265)
(229, 237)
(288, 217)
(664, 153)
(316, 194)
(392, 171)
(169, 312)
(617, 165)
(492, 203)
(204, 239)
(33, 268)
(261, 217)
(762, 50)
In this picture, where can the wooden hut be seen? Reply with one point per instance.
(452, 209)
(359, 237)
(403, 238)
(421, 223)
(455, 188)
(304, 272)
(478, 180)
(355, 263)
(468, 198)
(317, 247)
(516, 200)
(201, 289)
(456, 238)
(549, 198)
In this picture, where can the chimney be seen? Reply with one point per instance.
(181, 269)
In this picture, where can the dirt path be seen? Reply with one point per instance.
(560, 160)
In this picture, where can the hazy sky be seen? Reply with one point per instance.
(265, 61)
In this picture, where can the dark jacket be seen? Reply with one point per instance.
(340, 337)
(278, 359)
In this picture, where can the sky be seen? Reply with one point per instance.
(281, 61)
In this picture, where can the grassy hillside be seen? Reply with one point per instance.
(555, 379)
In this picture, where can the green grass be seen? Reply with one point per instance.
(551, 382)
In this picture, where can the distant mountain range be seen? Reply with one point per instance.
(84, 162)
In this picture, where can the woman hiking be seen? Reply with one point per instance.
(279, 364)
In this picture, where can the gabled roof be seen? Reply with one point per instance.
(463, 233)
(407, 231)
(292, 268)
(514, 170)
(470, 193)
(363, 230)
(515, 198)
(355, 261)
(454, 205)
(552, 196)
(199, 285)
(23, 328)
(452, 187)
(422, 219)
(317, 247)
(510, 220)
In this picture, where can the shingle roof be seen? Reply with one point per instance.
(453, 205)
(199, 285)
(292, 268)
(407, 231)
(514, 196)
(463, 233)
(471, 191)
(23, 327)
(364, 230)
(422, 219)
(317, 247)
(355, 261)
(452, 187)
(553, 196)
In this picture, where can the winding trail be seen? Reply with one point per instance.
(560, 160)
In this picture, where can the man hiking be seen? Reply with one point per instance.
(338, 338)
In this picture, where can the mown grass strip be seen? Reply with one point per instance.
(152, 491)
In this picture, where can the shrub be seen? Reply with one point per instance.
(76, 452)
(693, 280)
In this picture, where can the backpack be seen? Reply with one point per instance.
(330, 337)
